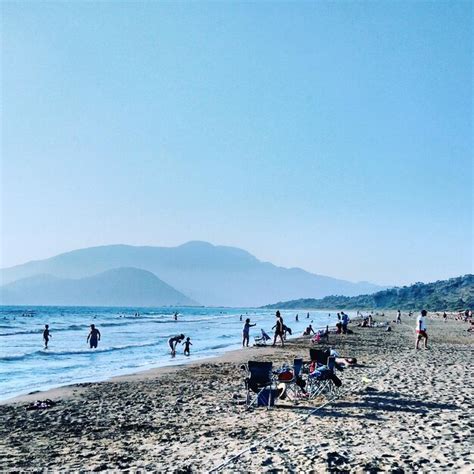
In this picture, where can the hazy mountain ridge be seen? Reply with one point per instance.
(212, 275)
(450, 295)
(116, 287)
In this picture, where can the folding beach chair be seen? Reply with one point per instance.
(259, 384)
(295, 385)
(322, 380)
(262, 340)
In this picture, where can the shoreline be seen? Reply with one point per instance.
(150, 373)
(67, 389)
(230, 355)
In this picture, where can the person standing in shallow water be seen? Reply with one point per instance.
(93, 337)
(246, 332)
(279, 329)
(173, 342)
(46, 336)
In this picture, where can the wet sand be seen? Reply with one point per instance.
(399, 410)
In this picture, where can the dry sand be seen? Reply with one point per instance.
(400, 410)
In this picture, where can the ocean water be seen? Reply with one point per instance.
(129, 343)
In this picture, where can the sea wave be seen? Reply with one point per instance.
(218, 346)
(77, 327)
(47, 353)
(72, 327)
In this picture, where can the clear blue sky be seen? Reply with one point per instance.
(332, 136)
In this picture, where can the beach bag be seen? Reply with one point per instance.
(285, 376)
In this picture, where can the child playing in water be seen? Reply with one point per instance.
(186, 344)
(246, 332)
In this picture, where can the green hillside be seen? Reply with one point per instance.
(450, 295)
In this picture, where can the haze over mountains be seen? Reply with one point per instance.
(197, 272)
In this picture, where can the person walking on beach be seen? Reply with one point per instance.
(421, 330)
(279, 329)
(296, 319)
(186, 344)
(399, 317)
(246, 332)
(370, 320)
(93, 337)
(46, 336)
(173, 342)
(345, 322)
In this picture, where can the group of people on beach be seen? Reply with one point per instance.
(342, 327)
(343, 323)
(281, 331)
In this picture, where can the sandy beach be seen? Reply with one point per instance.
(398, 410)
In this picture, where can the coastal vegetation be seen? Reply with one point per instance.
(454, 294)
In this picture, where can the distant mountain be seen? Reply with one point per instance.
(212, 275)
(450, 295)
(117, 287)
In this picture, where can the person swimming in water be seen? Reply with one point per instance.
(93, 337)
(46, 336)
(175, 316)
(186, 344)
(173, 342)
